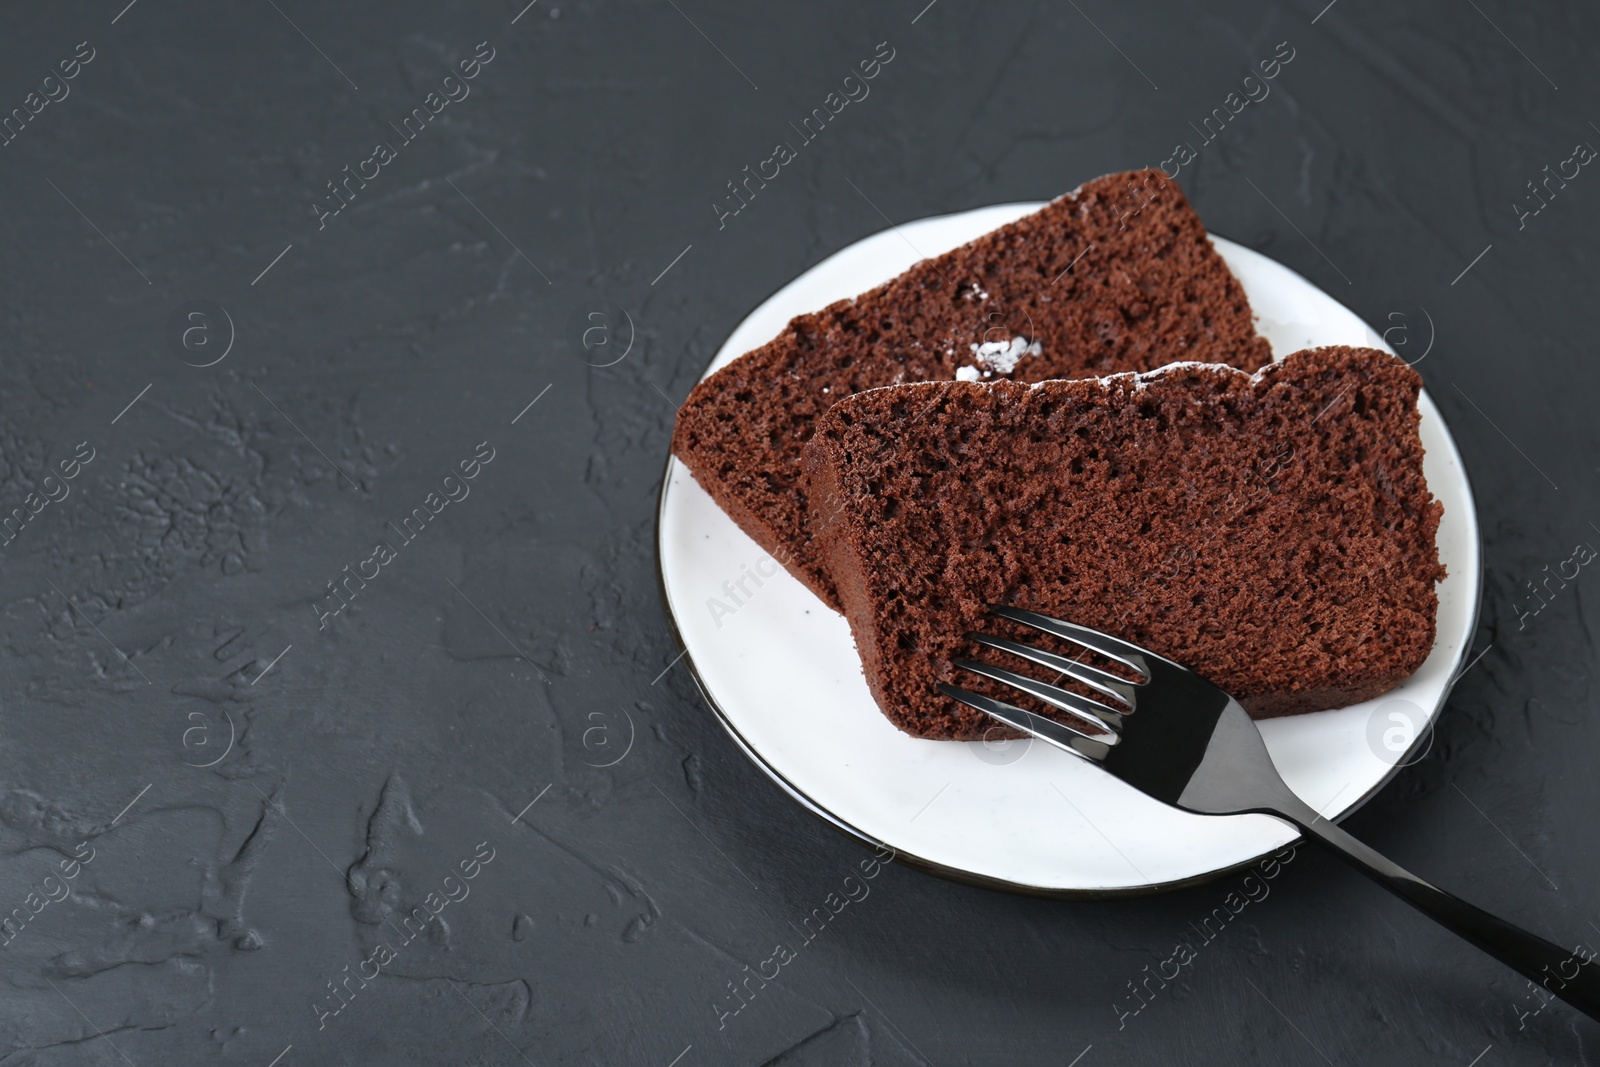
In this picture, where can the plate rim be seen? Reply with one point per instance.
(966, 877)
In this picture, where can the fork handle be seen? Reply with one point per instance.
(1569, 975)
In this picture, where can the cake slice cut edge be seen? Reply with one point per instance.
(1272, 531)
(1117, 275)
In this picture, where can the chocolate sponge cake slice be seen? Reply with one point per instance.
(1116, 276)
(1273, 532)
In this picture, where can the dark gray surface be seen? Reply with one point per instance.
(494, 660)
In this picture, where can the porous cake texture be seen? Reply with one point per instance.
(1118, 275)
(1271, 531)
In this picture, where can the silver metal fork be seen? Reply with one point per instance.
(1176, 737)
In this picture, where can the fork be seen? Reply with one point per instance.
(1179, 739)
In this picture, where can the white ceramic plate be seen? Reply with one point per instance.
(780, 669)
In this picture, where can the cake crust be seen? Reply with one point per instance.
(1272, 532)
(1118, 275)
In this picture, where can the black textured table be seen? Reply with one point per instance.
(328, 568)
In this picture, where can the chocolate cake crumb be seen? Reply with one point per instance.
(1272, 532)
(1116, 276)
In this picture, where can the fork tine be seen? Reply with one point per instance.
(1059, 734)
(1129, 655)
(1053, 695)
(1107, 683)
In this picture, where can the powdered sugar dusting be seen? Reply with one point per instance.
(997, 357)
(1139, 379)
